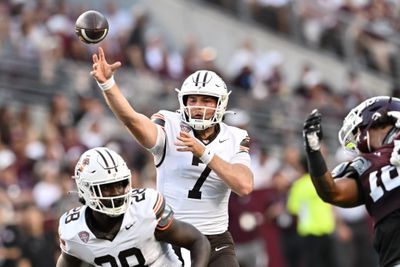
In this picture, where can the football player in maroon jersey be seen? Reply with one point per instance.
(369, 130)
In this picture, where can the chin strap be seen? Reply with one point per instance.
(391, 135)
(230, 112)
(394, 132)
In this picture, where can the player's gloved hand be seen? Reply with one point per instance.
(395, 156)
(312, 131)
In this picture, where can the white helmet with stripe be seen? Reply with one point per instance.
(97, 169)
(203, 82)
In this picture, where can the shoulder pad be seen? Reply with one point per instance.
(340, 169)
(355, 168)
(360, 164)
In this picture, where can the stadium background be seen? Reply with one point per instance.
(280, 58)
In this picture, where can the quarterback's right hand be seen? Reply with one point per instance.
(395, 156)
(312, 131)
(102, 71)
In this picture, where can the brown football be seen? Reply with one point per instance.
(91, 27)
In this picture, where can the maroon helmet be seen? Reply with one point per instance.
(372, 113)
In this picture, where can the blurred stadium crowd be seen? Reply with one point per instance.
(364, 32)
(50, 112)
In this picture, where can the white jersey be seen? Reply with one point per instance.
(196, 194)
(134, 244)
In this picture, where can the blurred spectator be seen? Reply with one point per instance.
(136, 44)
(5, 24)
(272, 13)
(315, 222)
(156, 55)
(8, 172)
(208, 56)
(306, 71)
(268, 76)
(264, 165)
(354, 92)
(241, 66)
(47, 190)
(5, 125)
(246, 213)
(245, 221)
(354, 237)
(10, 251)
(60, 111)
(319, 22)
(191, 58)
(38, 243)
(277, 212)
(376, 26)
(120, 22)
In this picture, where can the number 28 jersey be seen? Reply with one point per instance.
(134, 244)
(195, 192)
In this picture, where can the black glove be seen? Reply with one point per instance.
(312, 131)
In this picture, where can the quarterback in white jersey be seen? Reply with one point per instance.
(120, 226)
(201, 197)
(199, 159)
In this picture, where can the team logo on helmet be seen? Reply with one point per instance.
(83, 164)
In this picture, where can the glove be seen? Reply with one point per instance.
(395, 156)
(312, 132)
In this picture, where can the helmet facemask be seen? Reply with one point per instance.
(112, 206)
(97, 170)
(203, 83)
(349, 133)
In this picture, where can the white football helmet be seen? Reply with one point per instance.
(98, 167)
(203, 82)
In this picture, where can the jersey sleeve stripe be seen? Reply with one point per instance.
(163, 228)
(159, 205)
(244, 149)
(245, 142)
(163, 156)
(158, 119)
(158, 115)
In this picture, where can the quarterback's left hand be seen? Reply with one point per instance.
(186, 142)
(395, 156)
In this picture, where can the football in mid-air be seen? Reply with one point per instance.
(91, 27)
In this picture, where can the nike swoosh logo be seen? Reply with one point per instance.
(218, 249)
(127, 227)
(221, 141)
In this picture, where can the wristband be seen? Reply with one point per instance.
(107, 84)
(316, 164)
(207, 156)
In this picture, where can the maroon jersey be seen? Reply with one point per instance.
(378, 181)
